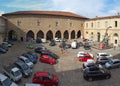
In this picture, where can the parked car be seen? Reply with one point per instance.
(40, 49)
(57, 39)
(87, 64)
(5, 81)
(7, 44)
(26, 60)
(32, 84)
(74, 44)
(114, 63)
(82, 53)
(80, 44)
(24, 68)
(45, 79)
(87, 46)
(30, 57)
(12, 72)
(47, 59)
(103, 54)
(2, 50)
(85, 57)
(51, 54)
(33, 54)
(52, 43)
(102, 60)
(5, 47)
(94, 72)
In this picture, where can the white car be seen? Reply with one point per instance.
(57, 39)
(82, 53)
(74, 44)
(5, 81)
(104, 55)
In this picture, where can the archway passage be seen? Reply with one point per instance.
(29, 35)
(12, 35)
(49, 35)
(73, 34)
(79, 34)
(40, 34)
(66, 35)
(58, 34)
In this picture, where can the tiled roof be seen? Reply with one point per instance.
(105, 17)
(54, 13)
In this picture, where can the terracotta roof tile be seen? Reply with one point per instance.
(56, 13)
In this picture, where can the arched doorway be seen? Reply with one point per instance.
(66, 35)
(73, 34)
(79, 34)
(29, 35)
(49, 35)
(40, 34)
(98, 36)
(12, 35)
(58, 34)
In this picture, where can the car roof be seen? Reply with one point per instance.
(22, 57)
(19, 62)
(41, 73)
(2, 77)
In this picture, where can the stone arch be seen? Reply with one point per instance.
(40, 34)
(29, 35)
(58, 34)
(79, 34)
(49, 35)
(73, 34)
(66, 34)
(115, 35)
(12, 35)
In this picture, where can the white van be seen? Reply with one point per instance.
(74, 44)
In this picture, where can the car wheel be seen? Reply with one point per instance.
(108, 76)
(90, 79)
(54, 85)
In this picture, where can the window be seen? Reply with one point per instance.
(18, 22)
(86, 32)
(86, 24)
(38, 23)
(106, 24)
(115, 41)
(98, 25)
(70, 24)
(57, 23)
(115, 23)
(91, 24)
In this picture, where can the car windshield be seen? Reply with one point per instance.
(110, 62)
(24, 67)
(27, 61)
(50, 76)
(103, 55)
(7, 82)
(17, 73)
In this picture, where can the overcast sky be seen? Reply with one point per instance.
(87, 8)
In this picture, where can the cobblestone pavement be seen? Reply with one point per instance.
(68, 68)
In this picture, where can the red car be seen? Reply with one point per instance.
(85, 57)
(45, 79)
(47, 59)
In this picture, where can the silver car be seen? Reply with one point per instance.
(5, 81)
(114, 63)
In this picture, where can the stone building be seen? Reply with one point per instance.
(97, 27)
(2, 28)
(24, 25)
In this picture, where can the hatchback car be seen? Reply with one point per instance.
(45, 79)
(102, 60)
(85, 57)
(40, 49)
(82, 53)
(2, 50)
(94, 72)
(5, 81)
(47, 59)
(25, 69)
(114, 63)
(103, 54)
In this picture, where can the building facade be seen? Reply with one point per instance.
(24, 25)
(2, 28)
(97, 27)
